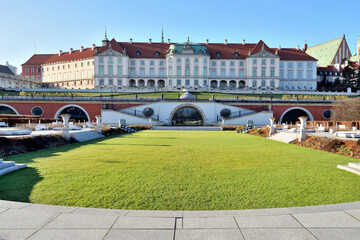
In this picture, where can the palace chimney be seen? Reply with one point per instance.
(305, 47)
(93, 46)
(243, 42)
(131, 40)
(279, 47)
(81, 48)
(149, 40)
(60, 52)
(71, 50)
(225, 41)
(207, 41)
(168, 40)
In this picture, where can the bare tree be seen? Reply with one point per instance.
(347, 110)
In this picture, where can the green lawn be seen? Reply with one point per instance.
(181, 170)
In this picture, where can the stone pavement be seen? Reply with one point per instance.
(34, 221)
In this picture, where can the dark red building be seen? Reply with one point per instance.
(32, 68)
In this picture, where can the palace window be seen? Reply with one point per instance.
(161, 72)
(38, 70)
(254, 61)
(205, 83)
(263, 62)
(232, 63)
(205, 71)
(111, 82)
(196, 71)
(101, 82)
(196, 60)
(142, 62)
(309, 65)
(178, 71)
(119, 60)
(263, 72)
(196, 82)
(254, 73)
(223, 63)
(170, 82)
(170, 71)
(170, 60)
(241, 64)
(110, 71)
(178, 60)
(187, 60)
(232, 73)
(213, 63)
(300, 65)
(152, 62)
(290, 65)
(132, 62)
(300, 73)
(218, 54)
(137, 53)
(205, 61)
(187, 82)
(309, 75)
(101, 71)
(272, 73)
(152, 72)
(187, 71)
(101, 60)
(161, 63)
(132, 72)
(263, 83)
(32, 70)
(213, 73)
(119, 82)
(157, 53)
(281, 74)
(254, 83)
(27, 70)
(142, 72)
(290, 75)
(236, 54)
(272, 83)
(120, 72)
(272, 61)
(178, 82)
(223, 74)
(281, 65)
(241, 73)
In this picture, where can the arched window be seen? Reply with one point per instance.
(236, 54)
(196, 60)
(187, 71)
(179, 60)
(137, 53)
(156, 53)
(205, 60)
(170, 60)
(218, 54)
(187, 60)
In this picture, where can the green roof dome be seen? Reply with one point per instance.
(188, 46)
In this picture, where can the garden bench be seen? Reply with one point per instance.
(41, 127)
(4, 124)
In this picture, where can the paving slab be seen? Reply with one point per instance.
(117, 234)
(355, 213)
(145, 223)
(277, 234)
(336, 233)
(15, 234)
(277, 221)
(325, 208)
(208, 234)
(50, 208)
(100, 211)
(263, 212)
(13, 205)
(335, 219)
(150, 213)
(196, 214)
(66, 234)
(82, 221)
(218, 222)
(21, 219)
(3, 210)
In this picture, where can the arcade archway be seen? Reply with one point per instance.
(187, 116)
(292, 115)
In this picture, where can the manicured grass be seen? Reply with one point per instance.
(181, 170)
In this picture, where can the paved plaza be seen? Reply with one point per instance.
(35, 221)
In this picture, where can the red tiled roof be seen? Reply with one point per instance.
(38, 59)
(227, 51)
(75, 55)
(328, 69)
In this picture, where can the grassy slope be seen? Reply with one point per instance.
(181, 170)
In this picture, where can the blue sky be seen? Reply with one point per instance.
(55, 25)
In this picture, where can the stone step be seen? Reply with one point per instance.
(83, 136)
(355, 165)
(12, 168)
(6, 164)
(349, 169)
(283, 137)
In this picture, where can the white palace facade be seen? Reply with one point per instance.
(202, 66)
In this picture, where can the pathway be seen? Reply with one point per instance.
(34, 221)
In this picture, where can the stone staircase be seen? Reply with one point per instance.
(285, 137)
(351, 167)
(86, 135)
(187, 128)
(9, 166)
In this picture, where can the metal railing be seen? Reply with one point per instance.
(243, 112)
(138, 113)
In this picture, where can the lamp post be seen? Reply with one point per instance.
(66, 118)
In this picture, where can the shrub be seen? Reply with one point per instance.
(138, 127)
(262, 132)
(107, 131)
(231, 127)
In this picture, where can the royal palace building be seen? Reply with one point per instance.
(202, 66)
